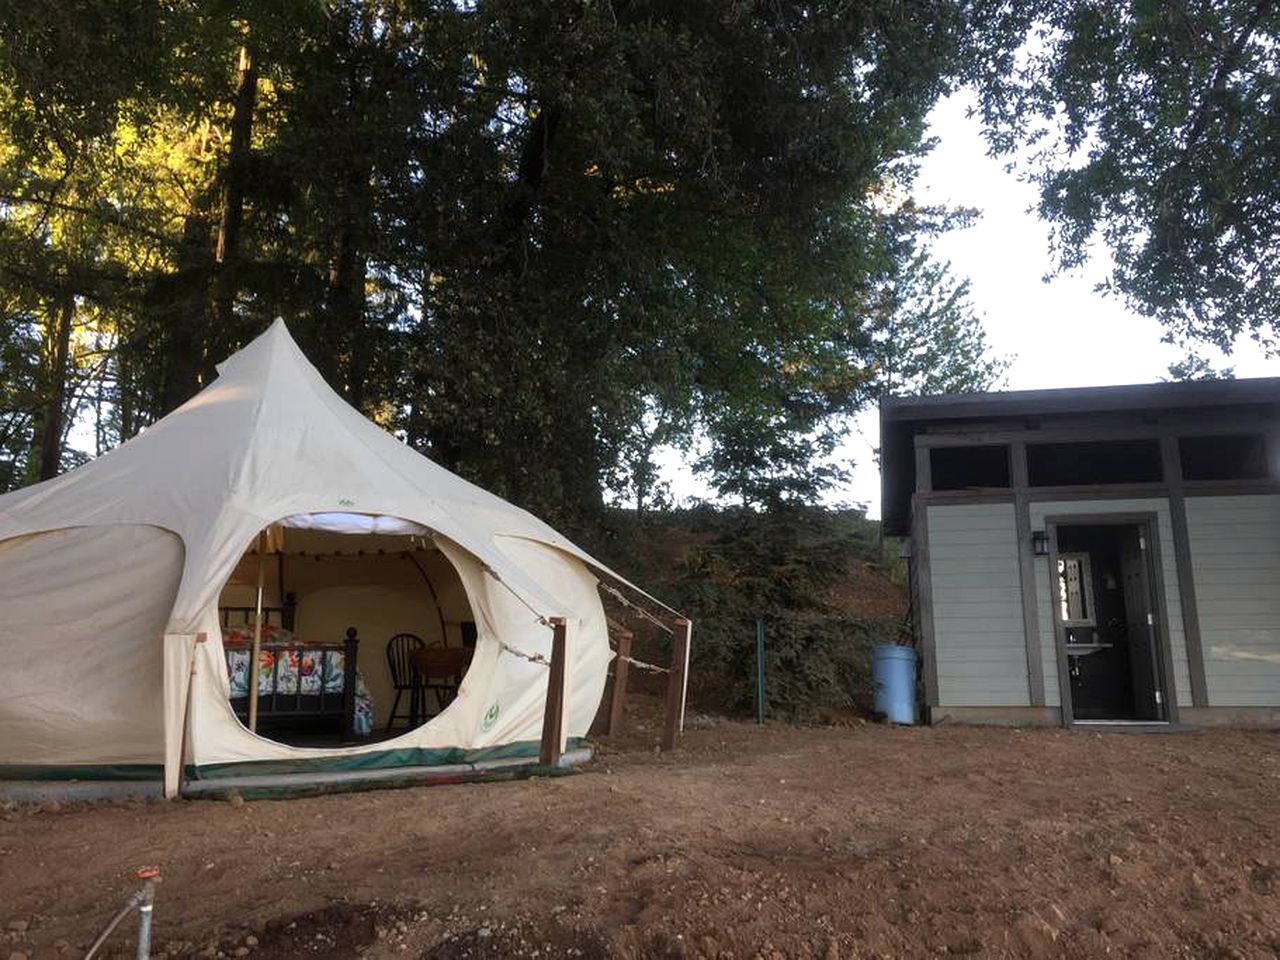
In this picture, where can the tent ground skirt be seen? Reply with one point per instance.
(278, 785)
(287, 785)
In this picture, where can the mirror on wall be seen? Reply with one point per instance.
(1075, 590)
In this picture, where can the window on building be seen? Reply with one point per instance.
(964, 468)
(1075, 590)
(1233, 457)
(1093, 462)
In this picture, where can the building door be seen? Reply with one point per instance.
(1107, 622)
(1139, 604)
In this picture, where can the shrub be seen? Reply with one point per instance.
(822, 582)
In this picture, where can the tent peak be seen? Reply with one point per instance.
(275, 339)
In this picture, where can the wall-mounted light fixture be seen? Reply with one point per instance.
(1039, 543)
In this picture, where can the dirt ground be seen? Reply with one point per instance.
(861, 841)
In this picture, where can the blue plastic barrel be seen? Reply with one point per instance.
(893, 668)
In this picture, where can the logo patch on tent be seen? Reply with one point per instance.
(346, 502)
(490, 718)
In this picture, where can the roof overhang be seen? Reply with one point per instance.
(901, 418)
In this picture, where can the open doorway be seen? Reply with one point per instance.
(1109, 629)
(367, 630)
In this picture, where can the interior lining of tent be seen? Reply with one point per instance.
(324, 576)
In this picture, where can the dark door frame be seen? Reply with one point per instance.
(1148, 524)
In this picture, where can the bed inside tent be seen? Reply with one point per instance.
(366, 629)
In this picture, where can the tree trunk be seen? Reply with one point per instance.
(198, 328)
(57, 361)
(180, 309)
(100, 444)
(580, 473)
(346, 296)
(347, 316)
(227, 250)
(125, 390)
(522, 199)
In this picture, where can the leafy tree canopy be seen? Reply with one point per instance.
(537, 240)
(1152, 127)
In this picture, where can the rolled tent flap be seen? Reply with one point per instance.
(179, 661)
(355, 523)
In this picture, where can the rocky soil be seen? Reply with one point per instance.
(859, 841)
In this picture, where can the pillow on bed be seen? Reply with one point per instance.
(243, 635)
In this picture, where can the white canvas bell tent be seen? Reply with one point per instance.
(110, 578)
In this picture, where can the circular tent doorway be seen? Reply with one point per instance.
(367, 630)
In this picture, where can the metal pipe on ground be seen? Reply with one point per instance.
(142, 899)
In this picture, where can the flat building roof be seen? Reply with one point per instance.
(901, 418)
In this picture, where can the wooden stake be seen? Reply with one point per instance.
(553, 717)
(618, 698)
(676, 684)
(257, 635)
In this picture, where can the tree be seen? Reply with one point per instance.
(536, 240)
(1151, 127)
(19, 387)
(91, 99)
(1195, 367)
(669, 212)
(923, 337)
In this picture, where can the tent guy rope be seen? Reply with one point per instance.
(640, 611)
(650, 667)
(531, 657)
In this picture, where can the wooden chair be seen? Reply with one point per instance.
(405, 676)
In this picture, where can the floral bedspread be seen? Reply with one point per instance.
(302, 668)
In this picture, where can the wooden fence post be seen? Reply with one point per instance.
(553, 717)
(676, 684)
(618, 697)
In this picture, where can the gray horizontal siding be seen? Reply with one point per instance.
(1044, 620)
(976, 571)
(977, 606)
(1235, 556)
(960, 595)
(1169, 575)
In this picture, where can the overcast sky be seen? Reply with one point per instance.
(1057, 334)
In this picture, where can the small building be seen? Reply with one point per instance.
(1092, 556)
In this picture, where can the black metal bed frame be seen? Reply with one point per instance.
(316, 712)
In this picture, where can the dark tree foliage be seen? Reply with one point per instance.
(1151, 126)
(537, 240)
(19, 353)
(1194, 367)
